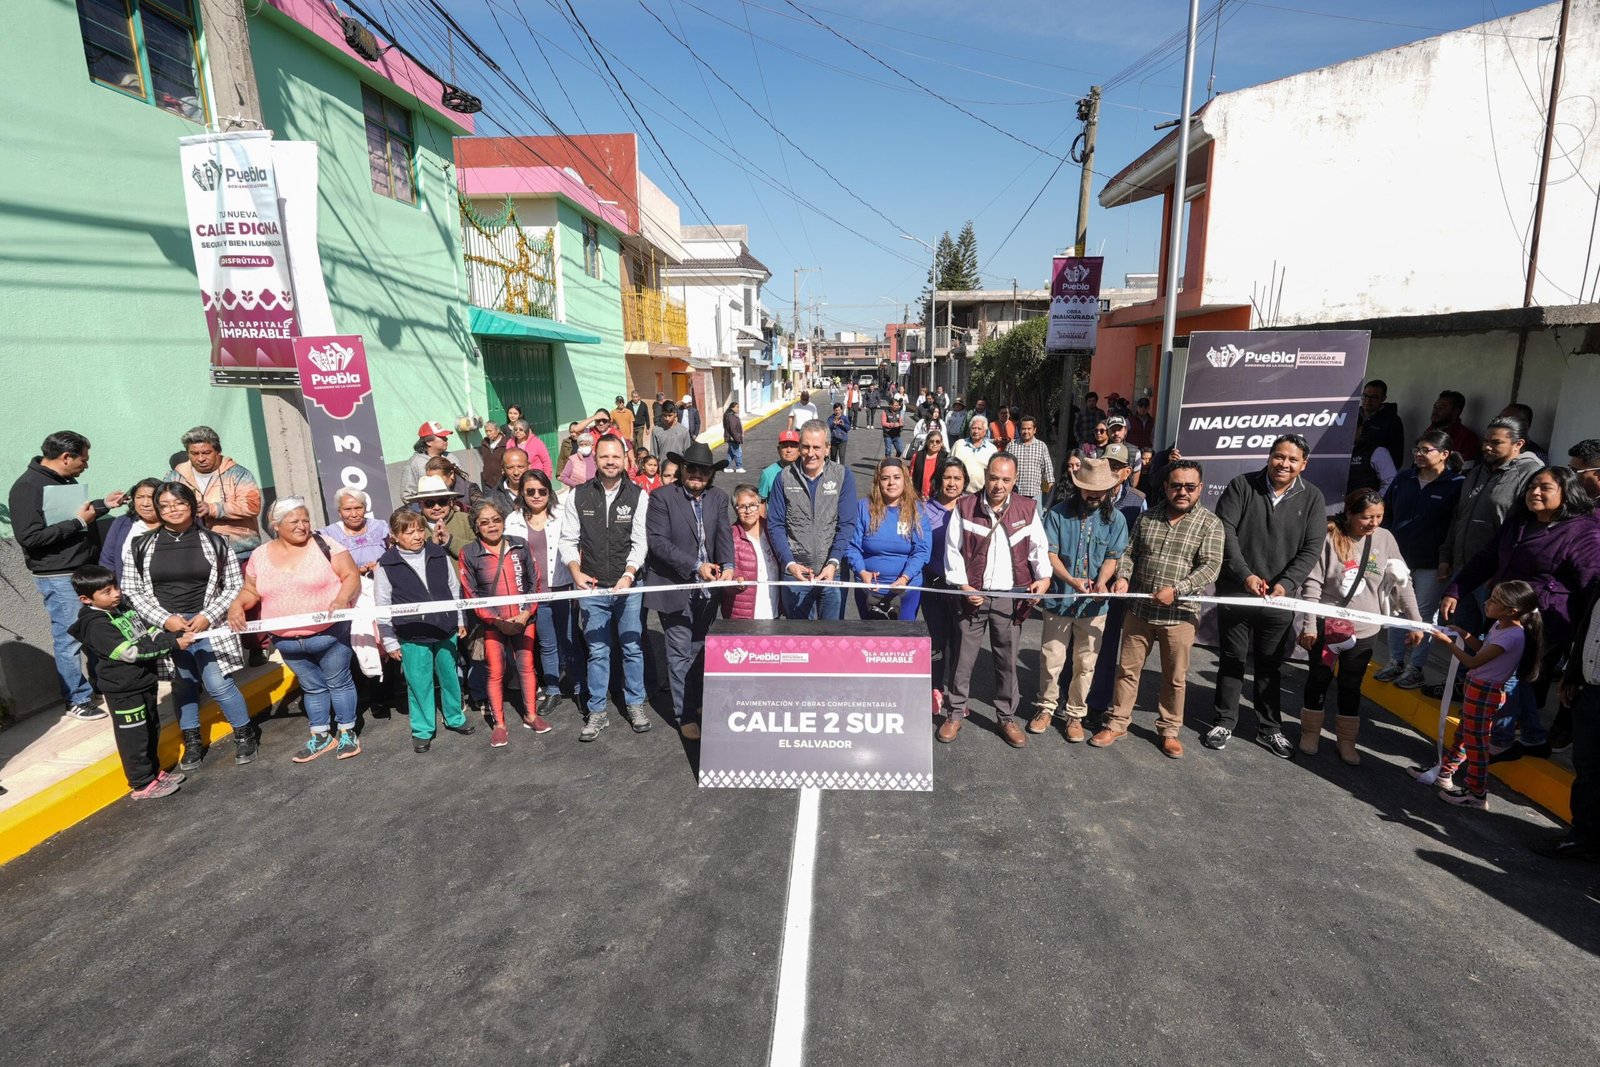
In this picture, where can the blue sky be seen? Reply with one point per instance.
(903, 160)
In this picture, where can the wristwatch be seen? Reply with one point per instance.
(832, 563)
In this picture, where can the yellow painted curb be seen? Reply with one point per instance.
(718, 442)
(1547, 784)
(75, 798)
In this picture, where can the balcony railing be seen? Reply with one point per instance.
(647, 315)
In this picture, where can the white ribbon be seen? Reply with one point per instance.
(393, 611)
(1431, 775)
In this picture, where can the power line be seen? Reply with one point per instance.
(775, 129)
(717, 110)
(739, 161)
(783, 157)
(908, 78)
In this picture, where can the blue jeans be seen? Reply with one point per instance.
(321, 664)
(544, 621)
(614, 622)
(1519, 718)
(196, 667)
(822, 601)
(63, 606)
(571, 644)
(891, 445)
(1428, 587)
(735, 455)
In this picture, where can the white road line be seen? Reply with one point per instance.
(789, 1017)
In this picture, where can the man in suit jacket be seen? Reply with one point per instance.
(690, 541)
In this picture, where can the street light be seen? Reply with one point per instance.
(933, 313)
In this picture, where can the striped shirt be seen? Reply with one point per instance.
(1186, 554)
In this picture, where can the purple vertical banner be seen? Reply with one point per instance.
(1074, 303)
(337, 387)
(1242, 391)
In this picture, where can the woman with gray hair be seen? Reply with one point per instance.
(299, 572)
(366, 537)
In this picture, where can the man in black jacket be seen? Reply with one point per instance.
(54, 522)
(690, 541)
(1273, 523)
(1380, 445)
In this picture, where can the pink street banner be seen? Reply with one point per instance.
(827, 705)
(1074, 302)
(237, 233)
(337, 389)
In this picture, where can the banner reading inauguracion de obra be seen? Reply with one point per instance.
(237, 232)
(1074, 303)
(1241, 391)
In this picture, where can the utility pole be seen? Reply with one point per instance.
(1538, 204)
(238, 103)
(1075, 364)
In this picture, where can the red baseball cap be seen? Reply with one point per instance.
(431, 429)
(789, 437)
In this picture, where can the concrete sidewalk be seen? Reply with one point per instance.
(58, 771)
(713, 436)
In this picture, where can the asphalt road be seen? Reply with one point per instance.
(564, 903)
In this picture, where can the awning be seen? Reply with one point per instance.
(486, 323)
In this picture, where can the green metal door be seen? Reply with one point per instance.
(523, 373)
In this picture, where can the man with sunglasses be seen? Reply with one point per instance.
(1275, 523)
(1175, 550)
(690, 542)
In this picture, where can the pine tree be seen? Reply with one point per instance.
(965, 269)
(947, 262)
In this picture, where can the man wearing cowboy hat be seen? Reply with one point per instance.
(1087, 536)
(690, 542)
(447, 524)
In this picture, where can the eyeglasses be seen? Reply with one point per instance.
(1183, 487)
(747, 507)
(536, 492)
(173, 505)
(1372, 396)
(1423, 450)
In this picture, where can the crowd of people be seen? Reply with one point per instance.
(1478, 532)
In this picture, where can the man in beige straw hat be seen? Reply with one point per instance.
(1086, 536)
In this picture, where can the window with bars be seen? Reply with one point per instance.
(389, 146)
(149, 49)
(591, 248)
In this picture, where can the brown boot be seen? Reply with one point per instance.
(1310, 730)
(1012, 733)
(1075, 731)
(949, 728)
(1345, 729)
(1041, 722)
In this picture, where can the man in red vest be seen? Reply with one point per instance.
(995, 542)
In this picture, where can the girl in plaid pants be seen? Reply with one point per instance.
(1507, 656)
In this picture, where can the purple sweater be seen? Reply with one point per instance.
(1560, 561)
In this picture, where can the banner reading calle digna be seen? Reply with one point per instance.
(237, 232)
(1242, 391)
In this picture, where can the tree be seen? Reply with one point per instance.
(944, 256)
(965, 268)
(1016, 369)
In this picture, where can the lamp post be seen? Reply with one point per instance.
(933, 314)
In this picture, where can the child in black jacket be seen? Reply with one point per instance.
(126, 650)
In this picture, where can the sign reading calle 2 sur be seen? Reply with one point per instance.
(786, 707)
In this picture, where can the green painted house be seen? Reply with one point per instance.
(544, 281)
(100, 316)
